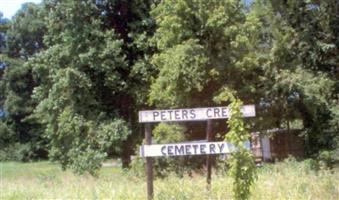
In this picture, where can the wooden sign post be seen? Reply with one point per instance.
(209, 157)
(149, 163)
(187, 114)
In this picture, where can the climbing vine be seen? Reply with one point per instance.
(241, 163)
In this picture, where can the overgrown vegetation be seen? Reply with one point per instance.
(241, 164)
(72, 82)
(285, 180)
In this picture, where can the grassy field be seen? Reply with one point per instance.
(44, 180)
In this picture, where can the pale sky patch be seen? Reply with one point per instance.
(10, 7)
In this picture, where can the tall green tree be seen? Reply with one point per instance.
(202, 47)
(300, 46)
(23, 39)
(3, 29)
(90, 78)
(26, 140)
(25, 36)
(132, 22)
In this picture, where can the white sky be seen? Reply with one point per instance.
(10, 7)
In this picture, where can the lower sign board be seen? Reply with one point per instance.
(191, 148)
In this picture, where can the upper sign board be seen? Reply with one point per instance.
(189, 148)
(191, 114)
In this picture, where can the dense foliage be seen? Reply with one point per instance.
(300, 49)
(75, 73)
(23, 36)
(241, 163)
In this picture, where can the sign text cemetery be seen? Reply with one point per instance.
(149, 150)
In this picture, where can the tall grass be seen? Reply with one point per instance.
(294, 180)
(43, 180)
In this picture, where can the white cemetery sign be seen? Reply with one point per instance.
(189, 148)
(191, 114)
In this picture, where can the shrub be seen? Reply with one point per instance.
(326, 159)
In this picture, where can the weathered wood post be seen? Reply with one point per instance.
(208, 156)
(149, 163)
(149, 150)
